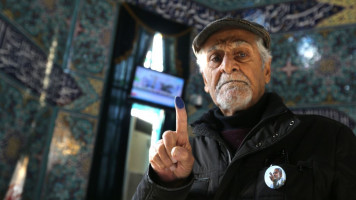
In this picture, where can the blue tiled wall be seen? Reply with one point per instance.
(313, 67)
(68, 45)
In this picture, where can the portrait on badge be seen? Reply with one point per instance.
(275, 177)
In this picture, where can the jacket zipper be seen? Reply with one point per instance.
(224, 148)
(255, 128)
(243, 141)
(228, 154)
(222, 143)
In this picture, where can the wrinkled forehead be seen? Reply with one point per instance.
(227, 43)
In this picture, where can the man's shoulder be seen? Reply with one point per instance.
(318, 119)
(322, 122)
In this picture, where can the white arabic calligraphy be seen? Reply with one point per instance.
(23, 61)
(276, 17)
(281, 18)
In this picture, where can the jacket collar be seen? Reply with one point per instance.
(208, 122)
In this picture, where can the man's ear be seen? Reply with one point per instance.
(206, 88)
(267, 71)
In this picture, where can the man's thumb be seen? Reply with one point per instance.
(182, 155)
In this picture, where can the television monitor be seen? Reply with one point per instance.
(155, 88)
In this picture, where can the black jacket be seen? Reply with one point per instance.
(317, 154)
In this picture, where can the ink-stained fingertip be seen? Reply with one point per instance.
(179, 102)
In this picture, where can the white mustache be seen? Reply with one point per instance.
(224, 79)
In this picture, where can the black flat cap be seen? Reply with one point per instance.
(230, 23)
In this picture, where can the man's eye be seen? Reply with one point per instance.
(216, 59)
(241, 54)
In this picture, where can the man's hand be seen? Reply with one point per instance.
(271, 177)
(171, 157)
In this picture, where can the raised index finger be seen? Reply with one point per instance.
(181, 117)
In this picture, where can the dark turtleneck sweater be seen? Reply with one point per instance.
(235, 128)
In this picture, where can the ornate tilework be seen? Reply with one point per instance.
(321, 75)
(291, 16)
(24, 130)
(69, 157)
(91, 43)
(41, 20)
(223, 5)
(346, 16)
(88, 98)
(28, 64)
(279, 17)
(187, 12)
(307, 72)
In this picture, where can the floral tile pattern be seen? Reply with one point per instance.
(83, 34)
(69, 156)
(307, 61)
(313, 67)
(24, 131)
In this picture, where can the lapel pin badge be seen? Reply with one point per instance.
(275, 177)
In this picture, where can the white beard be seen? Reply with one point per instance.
(235, 95)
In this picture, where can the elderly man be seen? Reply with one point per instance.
(236, 144)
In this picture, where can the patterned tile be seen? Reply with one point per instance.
(320, 74)
(69, 157)
(223, 5)
(92, 39)
(313, 66)
(24, 131)
(278, 17)
(28, 64)
(41, 19)
(346, 16)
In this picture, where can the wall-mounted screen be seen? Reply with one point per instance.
(155, 87)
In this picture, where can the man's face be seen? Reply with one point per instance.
(276, 174)
(234, 75)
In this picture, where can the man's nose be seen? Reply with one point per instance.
(229, 65)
